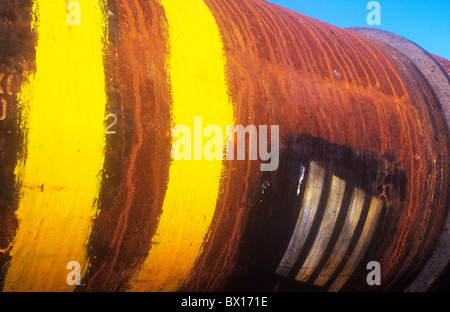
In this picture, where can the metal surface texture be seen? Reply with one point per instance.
(436, 71)
(93, 92)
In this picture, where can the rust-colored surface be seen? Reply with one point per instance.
(320, 80)
(138, 161)
(15, 18)
(312, 79)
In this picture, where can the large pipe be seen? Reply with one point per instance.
(92, 93)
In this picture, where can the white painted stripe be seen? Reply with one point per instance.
(309, 209)
(326, 228)
(361, 246)
(344, 239)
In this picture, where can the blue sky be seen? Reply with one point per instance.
(427, 23)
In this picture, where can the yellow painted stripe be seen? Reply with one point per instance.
(310, 204)
(361, 247)
(345, 237)
(199, 89)
(63, 111)
(326, 228)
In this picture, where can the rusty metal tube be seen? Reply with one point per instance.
(362, 170)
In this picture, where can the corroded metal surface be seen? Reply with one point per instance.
(439, 81)
(445, 63)
(364, 154)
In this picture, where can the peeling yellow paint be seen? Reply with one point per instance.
(63, 121)
(199, 89)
